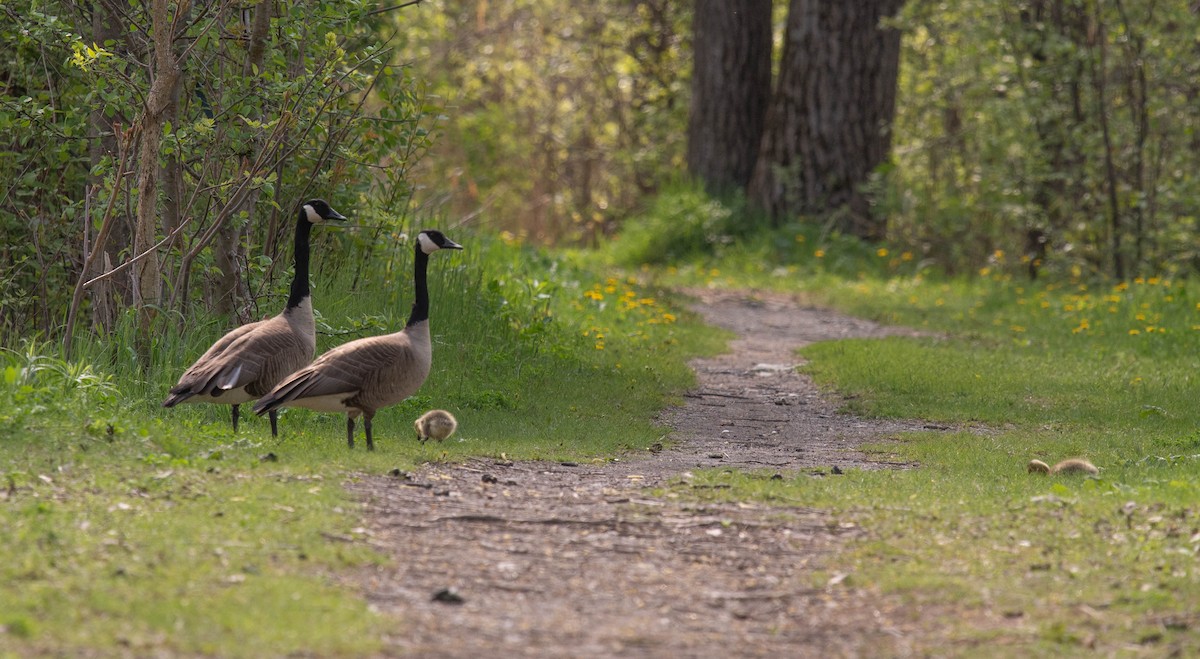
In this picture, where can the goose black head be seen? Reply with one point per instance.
(431, 240)
(317, 211)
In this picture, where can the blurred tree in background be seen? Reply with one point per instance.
(557, 117)
(1060, 133)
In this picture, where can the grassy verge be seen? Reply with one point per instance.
(133, 529)
(1018, 563)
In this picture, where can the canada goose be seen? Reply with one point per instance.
(1071, 466)
(435, 424)
(245, 363)
(364, 375)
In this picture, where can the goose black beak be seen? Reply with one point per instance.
(334, 215)
(450, 244)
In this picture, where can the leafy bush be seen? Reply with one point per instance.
(682, 223)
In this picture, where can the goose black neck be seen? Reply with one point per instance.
(420, 308)
(300, 279)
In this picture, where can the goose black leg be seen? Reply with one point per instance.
(235, 417)
(350, 431)
(274, 414)
(367, 427)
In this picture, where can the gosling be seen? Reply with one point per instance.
(435, 424)
(1071, 466)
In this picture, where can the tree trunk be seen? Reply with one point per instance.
(731, 85)
(829, 123)
(165, 74)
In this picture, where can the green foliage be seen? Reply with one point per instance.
(138, 529)
(684, 223)
(1068, 366)
(316, 108)
(557, 117)
(33, 383)
(1067, 119)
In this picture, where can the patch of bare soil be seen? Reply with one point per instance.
(551, 560)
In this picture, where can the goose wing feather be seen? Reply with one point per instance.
(353, 369)
(254, 356)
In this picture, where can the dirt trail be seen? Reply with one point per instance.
(551, 560)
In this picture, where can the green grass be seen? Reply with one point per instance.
(134, 529)
(1011, 564)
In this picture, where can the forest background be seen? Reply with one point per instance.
(154, 152)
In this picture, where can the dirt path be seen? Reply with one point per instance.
(550, 560)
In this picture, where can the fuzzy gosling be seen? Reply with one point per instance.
(435, 424)
(1071, 466)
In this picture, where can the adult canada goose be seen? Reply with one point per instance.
(245, 363)
(435, 424)
(365, 375)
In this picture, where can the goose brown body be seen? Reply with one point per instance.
(249, 360)
(365, 375)
(245, 363)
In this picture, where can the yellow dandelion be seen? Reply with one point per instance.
(881, 252)
(983, 272)
(1134, 332)
(1121, 286)
(906, 256)
(1140, 316)
(668, 318)
(800, 238)
(820, 253)
(1153, 281)
(998, 254)
(1017, 328)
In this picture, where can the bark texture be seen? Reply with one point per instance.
(731, 86)
(829, 122)
(165, 74)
